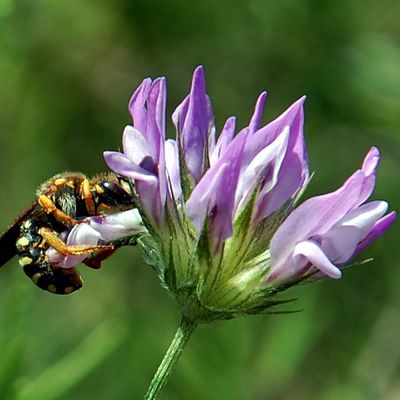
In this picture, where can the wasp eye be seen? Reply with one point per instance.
(114, 194)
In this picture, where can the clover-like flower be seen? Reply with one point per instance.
(223, 229)
(211, 205)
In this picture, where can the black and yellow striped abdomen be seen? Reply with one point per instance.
(31, 249)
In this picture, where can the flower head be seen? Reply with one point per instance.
(221, 229)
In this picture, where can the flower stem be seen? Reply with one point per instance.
(171, 357)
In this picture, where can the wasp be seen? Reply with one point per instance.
(62, 202)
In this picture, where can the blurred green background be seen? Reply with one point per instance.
(67, 70)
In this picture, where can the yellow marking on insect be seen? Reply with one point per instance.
(99, 189)
(25, 261)
(52, 288)
(22, 241)
(27, 224)
(68, 289)
(126, 186)
(87, 196)
(35, 278)
(59, 181)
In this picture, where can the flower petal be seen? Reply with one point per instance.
(369, 168)
(116, 226)
(315, 216)
(172, 166)
(198, 202)
(134, 144)
(79, 234)
(215, 193)
(224, 139)
(137, 105)
(99, 228)
(258, 113)
(265, 165)
(194, 121)
(156, 104)
(377, 230)
(313, 253)
(294, 169)
(222, 212)
(122, 165)
(267, 134)
(340, 242)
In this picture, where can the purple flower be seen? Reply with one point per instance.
(143, 159)
(327, 231)
(213, 208)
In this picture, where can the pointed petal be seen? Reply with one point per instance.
(137, 105)
(224, 139)
(159, 119)
(156, 103)
(294, 169)
(266, 135)
(258, 113)
(369, 169)
(194, 121)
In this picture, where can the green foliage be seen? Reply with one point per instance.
(67, 70)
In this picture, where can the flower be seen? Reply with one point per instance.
(144, 148)
(327, 231)
(222, 231)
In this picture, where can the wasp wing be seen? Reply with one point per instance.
(10, 236)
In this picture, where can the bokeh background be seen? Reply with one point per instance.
(67, 70)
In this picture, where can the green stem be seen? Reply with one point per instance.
(171, 357)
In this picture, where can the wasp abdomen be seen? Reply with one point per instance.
(31, 249)
(54, 280)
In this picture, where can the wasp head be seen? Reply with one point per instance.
(114, 193)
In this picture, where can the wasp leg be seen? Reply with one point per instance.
(50, 208)
(67, 250)
(87, 196)
(96, 260)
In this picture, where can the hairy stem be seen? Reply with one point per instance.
(171, 357)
